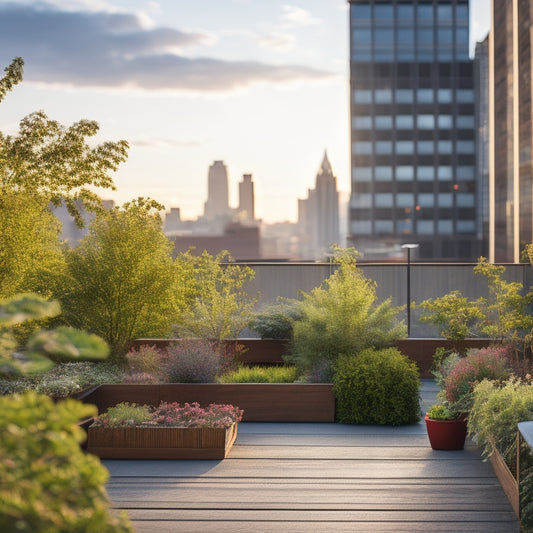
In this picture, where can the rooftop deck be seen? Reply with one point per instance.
(317, 478)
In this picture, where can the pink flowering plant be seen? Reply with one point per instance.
(170, 415)
(490, 363)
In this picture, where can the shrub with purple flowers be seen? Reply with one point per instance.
(192, 361)
(486, 363)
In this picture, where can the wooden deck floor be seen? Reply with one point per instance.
(317, 478)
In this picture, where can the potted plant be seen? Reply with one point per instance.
(446, 428)
(170, 431)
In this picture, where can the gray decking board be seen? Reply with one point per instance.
(317, 478)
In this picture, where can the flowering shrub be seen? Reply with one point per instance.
(144, 360)
(486, 363)
(170, 415)
(192, 361)
(192, 415)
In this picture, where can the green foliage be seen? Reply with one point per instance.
(440, 412)
(124, 415)
(48, 483)
(65, 379)
(30, 252)
(261, 374)
(222, 306)
(276, 321)
(122, 282)
(42, 347)
(496, 412)
(377, 387)
(453, 314)
(342, 316)
(12, 76)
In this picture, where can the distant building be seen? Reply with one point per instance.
(511, 110)
(172, 220)
(412, 109)
(318, 215)
(246, 198)
(241, 241)
(217, 204)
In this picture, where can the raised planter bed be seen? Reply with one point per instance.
(271, 351)
(261, 402)
(161, 442)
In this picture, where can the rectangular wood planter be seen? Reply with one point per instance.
(506, 479)
(261, 402)
(161, 442)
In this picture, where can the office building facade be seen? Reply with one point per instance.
(511, 190)
(413, 151)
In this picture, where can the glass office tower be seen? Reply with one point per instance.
(412, 129)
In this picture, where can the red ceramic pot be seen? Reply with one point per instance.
(446, 434)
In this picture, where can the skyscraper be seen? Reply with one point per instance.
(412, 128)
(246, 198)
(217, 204)
(318, 215)
(511, 182)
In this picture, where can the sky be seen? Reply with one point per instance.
(262, 85)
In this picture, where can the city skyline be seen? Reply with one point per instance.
(262, 86)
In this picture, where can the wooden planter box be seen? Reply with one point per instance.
(506, 479)
(261, 402)
(161, 442)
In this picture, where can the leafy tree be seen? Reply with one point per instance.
(342, 317)
(48, 483)
(222, 306)
(12, 76)
(121, 279)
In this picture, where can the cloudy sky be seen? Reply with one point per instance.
(261, 85)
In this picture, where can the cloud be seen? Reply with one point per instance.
(162, 143)
(297, 16)
(277, 40)
(110, 49)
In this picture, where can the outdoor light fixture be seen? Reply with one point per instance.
(409, 247)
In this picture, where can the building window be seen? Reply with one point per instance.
(383, 122)
(384, 226)
(424, 227)
(465, 121)
(426, 200)
(383, 173)
(444, 227)
(424, 12)
(405, 147)
(465, 200)
(445, 121)
(361, 227)
(445, 200)
(362, 122)
(405, 200)
(405, 173)
(424, 96)
(362, 96)
(444, 173)
(466, 226)
(361, 200)
(425, 147)
(362, 36)
(425, 122)
(465, 96)
(361, 12)
(404, 96)
(444, 147)
(465, 147)
(444, 96)
(362, 173)
(404, 122)
(425, 173)
(383, 199)
(383, 147)
(362, 147)
(383, 96)
(465, 173)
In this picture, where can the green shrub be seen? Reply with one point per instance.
(377, 387)
(48, 483)
(276, 321)
(125, 415)
(342, 316)
(440, 412)
(261, 374)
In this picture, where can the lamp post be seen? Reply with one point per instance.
(409, 247)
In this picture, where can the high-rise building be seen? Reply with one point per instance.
(217, 204)
(318, 215)
(510, 64)
(412, 128)
(481, 84)
(246, 198)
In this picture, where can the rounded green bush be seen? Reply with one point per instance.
(377, 387)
